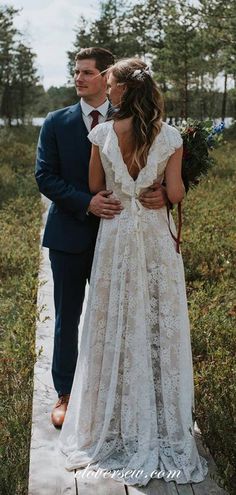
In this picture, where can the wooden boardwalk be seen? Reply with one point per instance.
(155, 487)
(47, 474)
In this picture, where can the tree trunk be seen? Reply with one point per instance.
(202, 99)
(185, 79)
(224, 101)
(235, 99)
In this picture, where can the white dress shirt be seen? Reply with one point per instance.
(86, 109)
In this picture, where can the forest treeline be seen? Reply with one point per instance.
(191, 49)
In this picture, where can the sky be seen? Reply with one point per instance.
(49, 26)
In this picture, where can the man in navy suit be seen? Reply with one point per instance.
(70, 234)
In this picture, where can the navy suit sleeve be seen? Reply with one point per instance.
(48, 178)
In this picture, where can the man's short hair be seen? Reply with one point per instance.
(103, 58)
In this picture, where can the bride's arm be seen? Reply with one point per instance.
(174, 185)
(96, 172)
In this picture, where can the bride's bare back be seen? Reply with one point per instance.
(125, 134)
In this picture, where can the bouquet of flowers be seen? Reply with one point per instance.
(198, 139)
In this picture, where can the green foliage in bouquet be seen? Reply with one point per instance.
(198, 138)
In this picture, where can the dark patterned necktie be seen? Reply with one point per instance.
(94, 114)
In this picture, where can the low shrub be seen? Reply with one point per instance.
(209, 240)
(20, 219)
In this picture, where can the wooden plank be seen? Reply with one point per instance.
(47, 473)
(66, 489)
(92, 485)
(184, 489)
(208, 486)
(155, 487)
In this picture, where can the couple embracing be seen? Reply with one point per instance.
(126, 401)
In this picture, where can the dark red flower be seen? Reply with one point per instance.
(191, 130)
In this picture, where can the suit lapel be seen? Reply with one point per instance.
(78, 127)
(77, 136)
(78, 130)
(76, 117)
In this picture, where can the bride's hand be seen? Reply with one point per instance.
(155, 197)
(103, 205)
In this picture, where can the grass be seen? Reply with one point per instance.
(209, 254)
(20, 218)
(209, 240)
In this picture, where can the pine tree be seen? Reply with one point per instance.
(24, 80)
(219, 21)
(7, 46)
(17, 70)
(109, 31)
(176, 61)
(145, 27)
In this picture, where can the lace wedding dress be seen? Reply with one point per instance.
(132, 398)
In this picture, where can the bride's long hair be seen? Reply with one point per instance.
(141, 100)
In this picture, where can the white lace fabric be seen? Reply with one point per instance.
(132, 399)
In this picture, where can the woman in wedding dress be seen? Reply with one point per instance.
(132, 402)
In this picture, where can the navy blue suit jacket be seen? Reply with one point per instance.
(63, 155)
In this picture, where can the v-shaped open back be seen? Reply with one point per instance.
(122, 157)
(117, 175)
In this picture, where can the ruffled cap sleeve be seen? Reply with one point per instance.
(174, 138)
(98, 134)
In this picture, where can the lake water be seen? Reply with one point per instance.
(38, 121)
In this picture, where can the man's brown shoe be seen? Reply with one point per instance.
(59, 411)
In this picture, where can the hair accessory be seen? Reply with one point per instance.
(139, 73)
